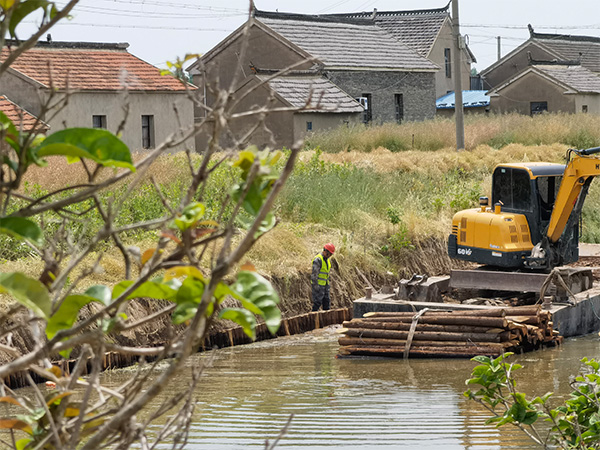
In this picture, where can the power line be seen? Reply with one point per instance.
(151, 14)
(524, 27)
(149, 27)
(177, 5)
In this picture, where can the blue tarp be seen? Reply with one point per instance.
(471, 99)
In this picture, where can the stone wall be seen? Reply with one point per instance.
(417, 89)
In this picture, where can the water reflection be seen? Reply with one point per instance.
(250, 391)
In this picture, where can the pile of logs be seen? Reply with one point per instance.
(458, 334)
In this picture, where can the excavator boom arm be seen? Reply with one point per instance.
(578, 171)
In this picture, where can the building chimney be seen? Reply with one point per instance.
(374, 14)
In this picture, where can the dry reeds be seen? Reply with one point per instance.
(497, 131)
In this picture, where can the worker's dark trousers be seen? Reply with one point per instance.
(320, 296)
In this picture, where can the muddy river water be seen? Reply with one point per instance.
(249, 392)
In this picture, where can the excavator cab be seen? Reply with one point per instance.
(523, 197)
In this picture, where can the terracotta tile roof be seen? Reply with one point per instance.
(345, 43)
(21, 118)
(91, 67)
(323, 94)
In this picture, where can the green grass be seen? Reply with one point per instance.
(339, 195)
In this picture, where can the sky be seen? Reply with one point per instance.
(161, 30)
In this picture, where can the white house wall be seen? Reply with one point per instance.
(83, 105)
(443, 84)
(24, 93)
(592, 101)
(322, 122)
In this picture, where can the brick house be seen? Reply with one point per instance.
(99, 78)
(429, 33)
(578, 50)
(548, 87)
(359, 58)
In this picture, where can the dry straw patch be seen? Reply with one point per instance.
(482, 158)
(59, 173)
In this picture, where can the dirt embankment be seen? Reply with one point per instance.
(349, 279)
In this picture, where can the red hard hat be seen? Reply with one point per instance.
(329, 247)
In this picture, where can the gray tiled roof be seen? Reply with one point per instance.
(323, 94)
(577, 77)
(585, 49)
(416, 29)
(345, 44)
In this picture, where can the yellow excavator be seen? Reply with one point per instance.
(535, 219)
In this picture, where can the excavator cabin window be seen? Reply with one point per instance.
(512, 187)
(547, 188)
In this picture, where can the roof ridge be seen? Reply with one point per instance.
(73, 45)
(328, 18)
(555, 62)
(564, 37)
(413, 12)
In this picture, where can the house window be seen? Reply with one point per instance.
(308, 126)
(399, 104)
(448, 63)
(147, 131)
(538, 107)
(365, 101)
(99, 122)
(584, 108)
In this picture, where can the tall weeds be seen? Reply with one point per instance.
(381, 193)
(496, 131)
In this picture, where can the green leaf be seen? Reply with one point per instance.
(67, 313)
(517, 412)
(22, 228)
(481, 359)
(184, 312)
(190, 215)
(530, 418)
(22, 444)
(151, 289)
(222, 291)
(96, 144)
(242, 317)
(101, 293)
(29, 292)
(594, 418)
(14, 166)
(245, 160)
(8, 126)
(271, 314)
(191, 291)
(23, 10)
(252, 287)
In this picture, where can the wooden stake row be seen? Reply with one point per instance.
(449, 333)
(215, 339)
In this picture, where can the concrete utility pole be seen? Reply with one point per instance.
(499, 38)
(458, 98)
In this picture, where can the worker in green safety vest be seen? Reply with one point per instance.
(319, 279)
